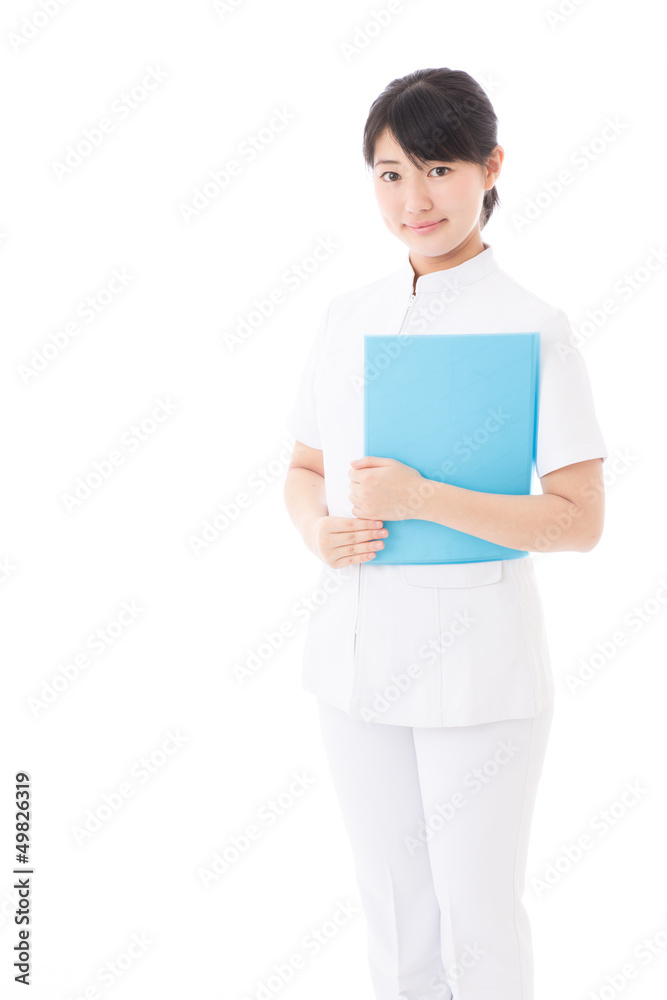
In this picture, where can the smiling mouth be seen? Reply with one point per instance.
(425, 226)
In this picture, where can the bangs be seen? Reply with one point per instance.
(426, 127)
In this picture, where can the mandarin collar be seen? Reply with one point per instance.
(479, 266)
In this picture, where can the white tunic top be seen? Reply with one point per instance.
(434, 644)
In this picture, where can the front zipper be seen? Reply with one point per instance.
(354, 708)
(410, 301)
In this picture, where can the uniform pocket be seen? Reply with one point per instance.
(477, 574)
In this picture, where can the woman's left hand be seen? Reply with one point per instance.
(386, 489)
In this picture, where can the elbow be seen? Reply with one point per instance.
(588, 545)
(590, 539)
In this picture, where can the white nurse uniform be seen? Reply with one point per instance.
(438, 644)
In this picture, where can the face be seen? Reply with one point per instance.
(433, 208)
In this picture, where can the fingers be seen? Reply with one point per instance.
(350, 525)
(351, 540)
(357, 530)
(358, 546)
(352, 537)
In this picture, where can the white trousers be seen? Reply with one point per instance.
(438, 821)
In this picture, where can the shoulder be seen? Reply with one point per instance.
(357, 306)
(524, 300)
(369, 292)
(546, 318)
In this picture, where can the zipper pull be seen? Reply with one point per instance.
(410, 301)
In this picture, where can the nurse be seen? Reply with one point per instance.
(433, 682)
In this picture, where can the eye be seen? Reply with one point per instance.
(389, 175)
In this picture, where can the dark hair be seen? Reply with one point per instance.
(436, 114)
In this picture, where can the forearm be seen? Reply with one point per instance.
(305, 499)
(533, 523)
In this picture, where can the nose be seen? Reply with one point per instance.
(417, 198)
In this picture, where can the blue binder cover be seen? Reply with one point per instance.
(459, 408)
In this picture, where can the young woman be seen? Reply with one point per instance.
(434, 684)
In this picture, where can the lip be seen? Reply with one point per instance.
(427, 228)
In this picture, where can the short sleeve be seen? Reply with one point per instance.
(301, 419)
(568, 429)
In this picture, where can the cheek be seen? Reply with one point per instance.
(386, 203)
(466, 194)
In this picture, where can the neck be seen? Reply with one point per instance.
(471, 247)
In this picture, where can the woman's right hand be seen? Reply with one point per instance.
(341, 541)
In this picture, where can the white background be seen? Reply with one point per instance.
(218, 79)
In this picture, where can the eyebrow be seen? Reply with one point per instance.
(397, 162)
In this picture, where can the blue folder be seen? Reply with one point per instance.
(461, 409)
